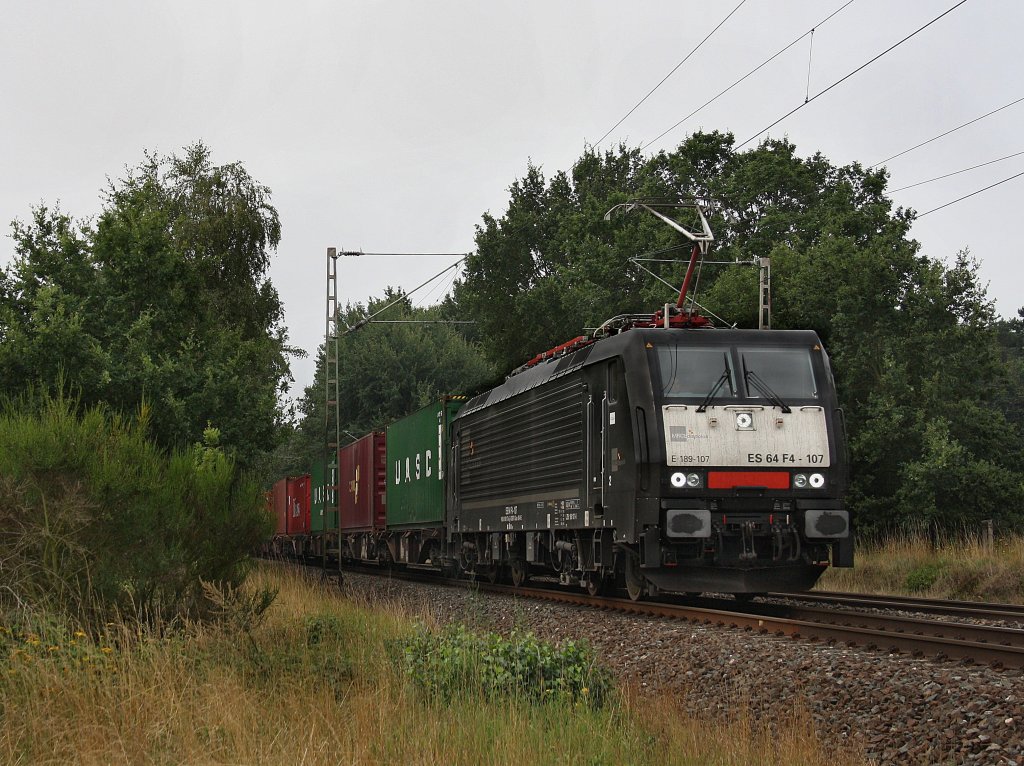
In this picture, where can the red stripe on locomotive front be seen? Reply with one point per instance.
(733, 479)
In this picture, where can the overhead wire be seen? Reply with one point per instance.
(942, 135)
(441, 287)
(402, 255)
(954, 173)
(760, 66)
(851, 74)
(367, 319)
(663, 79)
(966, 196)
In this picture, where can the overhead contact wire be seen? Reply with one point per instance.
(663, 79)
(966, 196)
(955, 173)
(851, 74)
(756, 69)
(943, 135)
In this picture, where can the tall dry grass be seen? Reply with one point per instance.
(963, 566)
(316, 681)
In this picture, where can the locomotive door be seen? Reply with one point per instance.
(597, 445)
(597, 407)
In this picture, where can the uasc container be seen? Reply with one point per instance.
(416, 450)
(323, 507)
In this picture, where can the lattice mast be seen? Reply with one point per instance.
(332, 410)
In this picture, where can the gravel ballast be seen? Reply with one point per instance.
(894, 708)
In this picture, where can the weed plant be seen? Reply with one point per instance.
(457, 662)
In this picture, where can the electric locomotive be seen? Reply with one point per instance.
(674, 459)
(660, 452)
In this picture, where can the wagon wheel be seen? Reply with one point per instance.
(520, 572)
(488, 572)
(635, 580)
(491, 572)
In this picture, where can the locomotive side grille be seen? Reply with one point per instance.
(529, 443)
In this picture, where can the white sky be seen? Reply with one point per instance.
(392, 126)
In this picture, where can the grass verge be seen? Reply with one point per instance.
(963, 567)
(319, 679)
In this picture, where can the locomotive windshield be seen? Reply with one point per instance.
(692, 372)
(773, 373)
(786, 371)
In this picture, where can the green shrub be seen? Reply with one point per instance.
(323, 629)
(97, 521)
(458, 662)
(923, 577)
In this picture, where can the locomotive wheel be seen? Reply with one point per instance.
(520, 572)
(635, 580)
(596, 584)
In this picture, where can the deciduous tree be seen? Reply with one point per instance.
(165, 299)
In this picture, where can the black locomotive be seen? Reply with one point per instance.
(677, 459)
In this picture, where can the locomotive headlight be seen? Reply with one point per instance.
(817, 480)
(693, 480)
(800, 480)
(678, 480)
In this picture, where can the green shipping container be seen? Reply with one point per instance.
(321, 497)
(417, 447)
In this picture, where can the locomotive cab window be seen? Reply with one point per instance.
(693, 372)
(787, 372)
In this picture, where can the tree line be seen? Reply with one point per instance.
(929, 377)
(164, 302)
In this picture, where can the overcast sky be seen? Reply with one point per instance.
(392, 126)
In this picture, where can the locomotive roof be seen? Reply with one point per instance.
(617, 345)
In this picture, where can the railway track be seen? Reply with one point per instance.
(966, 609)
(969, 643)
(834, 621)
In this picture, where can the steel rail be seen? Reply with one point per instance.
(891, 640)
(976, 609)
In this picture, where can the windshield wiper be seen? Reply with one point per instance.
(714, 390)
(765, 390)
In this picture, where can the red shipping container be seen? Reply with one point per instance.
(362, 483)
(298, 505)
(280, 505)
